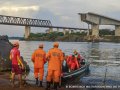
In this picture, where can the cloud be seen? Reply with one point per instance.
(17, 9)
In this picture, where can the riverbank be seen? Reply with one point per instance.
(6, 85)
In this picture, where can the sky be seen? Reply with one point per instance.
(59, 12)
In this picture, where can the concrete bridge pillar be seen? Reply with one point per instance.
(64, 31)
(88, 32)
(57, 29)
(27, 31)
(50, 30)
(72, 31)
(95, 30)
(117, 30)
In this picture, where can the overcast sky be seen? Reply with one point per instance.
(59, 12)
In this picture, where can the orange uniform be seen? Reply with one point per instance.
(55, 57)
(38, 58)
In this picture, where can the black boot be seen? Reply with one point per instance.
(36, 81)
(56, 85)
(48, 86)
(40, 85)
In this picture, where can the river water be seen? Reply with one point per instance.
(104, 59)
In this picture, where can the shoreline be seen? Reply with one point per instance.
(72, 41)
(5, 84)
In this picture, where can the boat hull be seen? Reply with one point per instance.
(74, 74)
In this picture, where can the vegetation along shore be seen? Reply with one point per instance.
(105, 36)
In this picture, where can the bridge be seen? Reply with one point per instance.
(29, 22)
(95, 20)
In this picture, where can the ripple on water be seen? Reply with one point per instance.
(100, 51)
(93, 80)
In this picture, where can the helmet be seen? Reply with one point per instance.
(55, 44)
(15, 43)
(74, 51)
(41, 45)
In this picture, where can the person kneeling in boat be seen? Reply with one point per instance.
(72, 63)
(80, 59)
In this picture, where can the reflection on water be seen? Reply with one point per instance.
(104, 58)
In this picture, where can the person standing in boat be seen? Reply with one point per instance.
(39, 59)
(16, 63)
(55, 58)
(72, 63)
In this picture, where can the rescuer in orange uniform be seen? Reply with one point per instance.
(55, 58)
(39, 59)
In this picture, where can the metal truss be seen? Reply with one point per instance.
(10, 20)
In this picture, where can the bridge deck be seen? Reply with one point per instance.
(20, 21)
